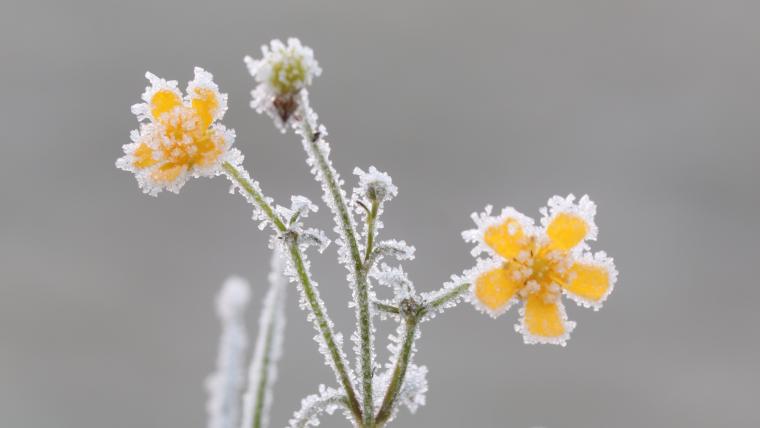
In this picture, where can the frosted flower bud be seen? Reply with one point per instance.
(375, 185)
(281, 73)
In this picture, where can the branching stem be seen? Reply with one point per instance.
(362, 287)
(315, 304)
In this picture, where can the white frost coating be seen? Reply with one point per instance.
(413, 389)
(412, 394)
(303, 302)
(143, 110)
(281, 73)
(223, 386)
(300, 207)
(531, 339)
(326, 401)
(448, 287)
(318, 158)
(484, 220)
(585, 209)
(263, 369)
(397, 280)
(471, 276)
(258, 214)
(600, 259)
(203, 85)
(374, 184)
(164, 152)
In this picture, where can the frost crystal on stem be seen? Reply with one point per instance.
(263, 370)
(224, 384)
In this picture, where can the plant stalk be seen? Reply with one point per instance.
(362, 287)
(311, 295)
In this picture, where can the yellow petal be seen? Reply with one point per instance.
(566, 230)
(590, 282)
(543, 319)
(167, 172)
(495, 288)
(164, 101)
(205, 103)
(143, 156)
(507, 238)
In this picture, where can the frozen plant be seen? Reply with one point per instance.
(180, 137)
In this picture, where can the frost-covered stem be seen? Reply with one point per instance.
(314, 304)
(399, 371)
(262, 373)
(324, 328)
(258, 197)
(453, 294)
(371, 217)
(360, 274)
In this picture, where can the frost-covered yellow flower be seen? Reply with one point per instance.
(179, 137)
(283, 71)
(536, 265)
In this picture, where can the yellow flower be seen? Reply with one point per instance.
(179, 137)
(536, 265)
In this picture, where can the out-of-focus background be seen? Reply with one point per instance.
(652, 107)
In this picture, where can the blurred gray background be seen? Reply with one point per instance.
(652, 107)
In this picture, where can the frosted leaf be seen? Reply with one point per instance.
(262, 373)
(412, 394)
(300, 207)
(223, 386)
(313, 237)
(326, 401)
(391, 248)
(397, 280)
(374, 185)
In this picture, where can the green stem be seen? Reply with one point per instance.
(371, 218)
(252, 192)
(453, 294)
(361, 277)
(311, 294)
(324, 327)
(402, 363)
(258, 408)
(399, 371)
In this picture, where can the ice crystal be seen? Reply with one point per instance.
(263, 369)
(326, 401)
(281, 73)
(223, 386)
(536, 264)
(179, 137)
